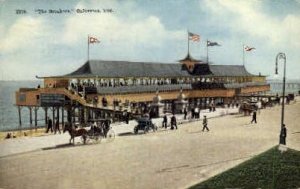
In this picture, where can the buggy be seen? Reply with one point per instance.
(102, 129)
(144, 124)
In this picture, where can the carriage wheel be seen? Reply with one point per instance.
(110, 136)
(135, 130)
(97, 138)
(146, 129)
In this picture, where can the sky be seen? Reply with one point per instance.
(47, 44)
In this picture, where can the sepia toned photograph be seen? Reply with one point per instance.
(150, 94)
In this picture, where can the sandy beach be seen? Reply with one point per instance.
(165, 159)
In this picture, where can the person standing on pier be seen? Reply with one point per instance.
(205, 124)
(49, 123)
(254, 117)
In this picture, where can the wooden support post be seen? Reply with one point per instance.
(53, 115)
(46, 115)
(73, 115)
(30, 115)
(57, 114)
(20, 117)
(35, 117)
(62, 115)
(85, 114)
(69, 115)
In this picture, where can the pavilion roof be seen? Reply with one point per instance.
(117, 69)
(229, 70)
(121, 69)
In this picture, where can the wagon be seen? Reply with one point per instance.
(102, 130)
(248, 107)
(144, 124)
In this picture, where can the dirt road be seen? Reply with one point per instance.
(166, 159)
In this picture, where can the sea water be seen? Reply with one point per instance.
(9, 118)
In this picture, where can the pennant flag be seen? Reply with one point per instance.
(194, 37)
(93, 40)
(210, 43)
(247, 48)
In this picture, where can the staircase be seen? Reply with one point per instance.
(75, 97)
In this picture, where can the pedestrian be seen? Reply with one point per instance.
(106, 127)
(127, 118)
(205, 124)
(192, 113)
(49, 123)
(196, 113)
(185, 113)
(165, 121)
(173, 122)
(283, 135)
(254, 117)
(57, 127)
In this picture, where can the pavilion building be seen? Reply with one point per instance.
(100, 88)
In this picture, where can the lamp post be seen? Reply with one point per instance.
(281, 56)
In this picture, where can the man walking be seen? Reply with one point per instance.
(253, 117)
(49, 125)
(283, 135)
(205, 124)
(173, 122)
(165, 121)
(185, 113)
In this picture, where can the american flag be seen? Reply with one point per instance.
(247, 48)
(93, 40)
(194, 37)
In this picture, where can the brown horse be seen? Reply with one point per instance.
(75, 133)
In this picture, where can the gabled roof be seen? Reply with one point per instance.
(220, 70)
(202, 69)
(190, 58)
(115, 69)
(118, 69)
(229, 70)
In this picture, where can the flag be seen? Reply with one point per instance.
(93, 40)
(210, 43)
(194, 37)
(247, 48)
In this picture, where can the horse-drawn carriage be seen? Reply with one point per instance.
(248, 107)
(99, 128)
(144, 124)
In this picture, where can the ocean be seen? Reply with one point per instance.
(9, 112)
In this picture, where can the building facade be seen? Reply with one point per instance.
(109, 88)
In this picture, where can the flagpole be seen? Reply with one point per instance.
(188, 42)
(207, 50)
(243, 55)
(88, 50)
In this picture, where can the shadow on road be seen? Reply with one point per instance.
(67, 145)
(126, 134)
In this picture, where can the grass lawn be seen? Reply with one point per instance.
(258, 172)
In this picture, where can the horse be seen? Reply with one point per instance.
(75, 133)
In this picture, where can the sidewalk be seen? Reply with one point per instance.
(29, 144)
